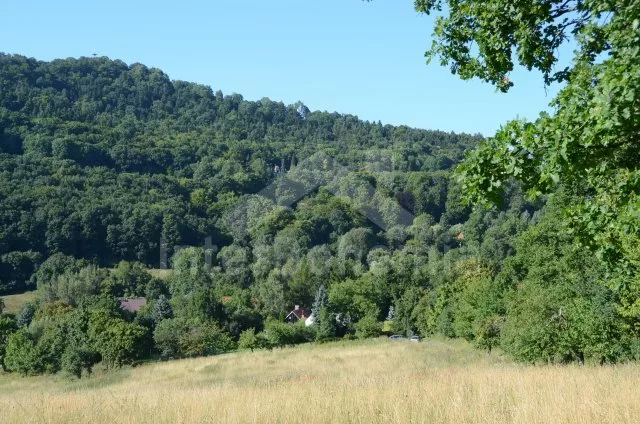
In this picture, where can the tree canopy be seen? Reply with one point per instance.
(589, 141)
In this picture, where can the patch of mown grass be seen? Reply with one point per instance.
(13, 302)
(162, 274)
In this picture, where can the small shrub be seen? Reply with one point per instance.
(281, 334)
(368, 327)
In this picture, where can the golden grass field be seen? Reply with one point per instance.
(352, 382)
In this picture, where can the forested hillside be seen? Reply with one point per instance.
(101, 160)
(104, 166)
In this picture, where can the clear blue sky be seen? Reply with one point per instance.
(337, 55)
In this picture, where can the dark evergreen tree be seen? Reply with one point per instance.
(161, 309)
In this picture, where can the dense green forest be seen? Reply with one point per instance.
(104, 166)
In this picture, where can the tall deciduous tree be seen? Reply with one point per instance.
(589, 141)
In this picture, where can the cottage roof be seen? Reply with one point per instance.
(133, 304)
(298, 313)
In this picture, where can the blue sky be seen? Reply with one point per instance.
(337, 55)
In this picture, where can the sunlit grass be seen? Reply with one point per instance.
(362, 382)
(162, 274)
(13, 302)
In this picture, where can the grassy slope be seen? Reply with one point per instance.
(363, 382)
(13, 302)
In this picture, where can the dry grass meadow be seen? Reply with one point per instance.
(357, 382)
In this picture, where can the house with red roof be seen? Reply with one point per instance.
(297, 314)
